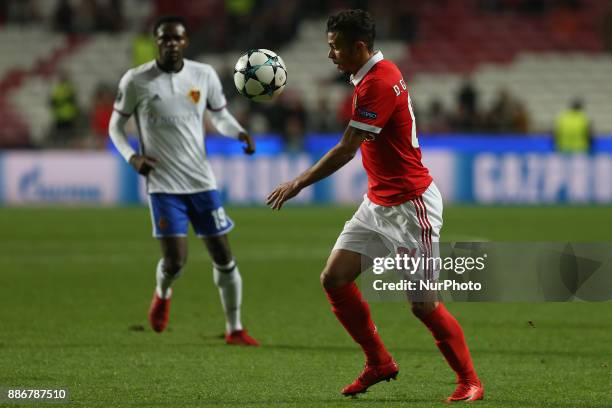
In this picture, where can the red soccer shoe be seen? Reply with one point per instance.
(467, 392)
(240, 338)
(371, 374)
(159, 313)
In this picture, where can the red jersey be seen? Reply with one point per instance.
(392, 159)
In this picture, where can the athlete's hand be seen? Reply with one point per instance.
(283, 193)
(249, 143)
(143, 164)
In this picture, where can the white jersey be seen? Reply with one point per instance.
(169, 110)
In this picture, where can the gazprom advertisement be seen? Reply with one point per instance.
(59, 178)
(538, 178)
(74, 178)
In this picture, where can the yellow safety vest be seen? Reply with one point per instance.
(572, 132)
(239, 7)
(64, 104)
(143, 50)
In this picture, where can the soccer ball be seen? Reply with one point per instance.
(260, 75)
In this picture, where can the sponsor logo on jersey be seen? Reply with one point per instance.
(366, 113)
(171, 119)
(194, 94)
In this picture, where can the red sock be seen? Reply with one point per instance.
(354, 314)
(451, 342)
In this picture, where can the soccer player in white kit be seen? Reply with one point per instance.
(168, 98)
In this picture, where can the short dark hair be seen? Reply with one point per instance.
(577, 104)
(354, 25)
(168, 20)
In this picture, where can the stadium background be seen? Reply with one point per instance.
(488, 79)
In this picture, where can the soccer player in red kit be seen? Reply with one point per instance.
(402, 206)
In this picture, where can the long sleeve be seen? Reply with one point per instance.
(116, 129)
(225, 123)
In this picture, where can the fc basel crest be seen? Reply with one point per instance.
(162, 223)
(194, 95)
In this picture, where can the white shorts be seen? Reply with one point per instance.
(378, 231)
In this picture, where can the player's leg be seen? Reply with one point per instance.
(338, 279)
(212, 225)
(169, 217)
(447, 332)
(174, 256)
(450, 340)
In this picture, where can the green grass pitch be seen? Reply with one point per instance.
(75, 286)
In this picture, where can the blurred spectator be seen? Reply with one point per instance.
(64, 109)
(345, 108)
(434, 120)
(88, 16)
(322, 118)
(405, 21)
(63, 17)
(3, 11)
(108, 15)
(466, 117)
(565, 22)
(14, 132)
(462, 121)
(144, 48)
(226, 76)
(573, 130)
(100, 115)
(288, 118)
(507, 114)
(490, 5)
(275, 24)
(239, 14)
(521, 118)
(467, 97)
(607, 29)
(22, 11)
(84, 20)
(500, 117)
(397, 20)
(534, 7)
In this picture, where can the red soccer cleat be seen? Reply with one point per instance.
(467, 391)
(159, 313)
(240, 338)
(371, 374)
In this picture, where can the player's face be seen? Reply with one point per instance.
(171, 41)
(341, 52)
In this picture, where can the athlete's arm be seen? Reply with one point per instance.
(333, 160)
(228, 126)
(116, 129)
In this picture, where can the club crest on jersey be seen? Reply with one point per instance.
(163, 223)
(194, 94)
(366, 113)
